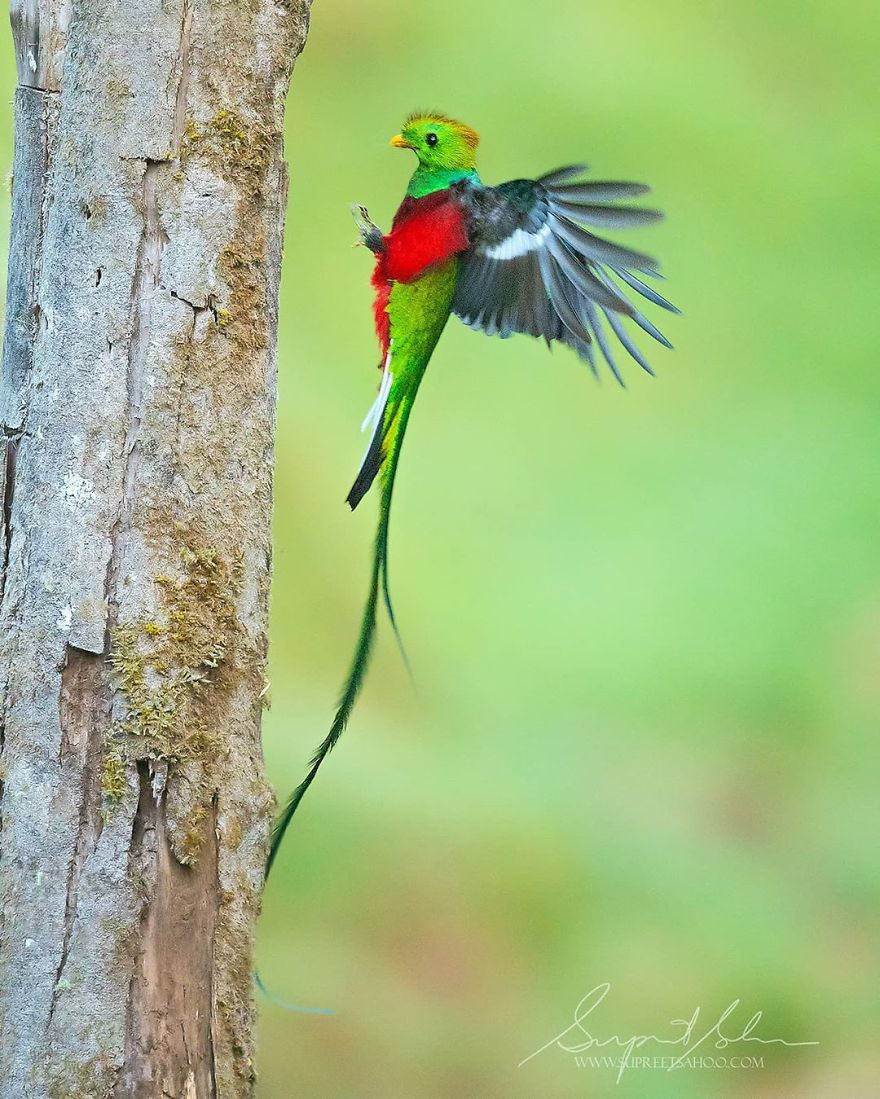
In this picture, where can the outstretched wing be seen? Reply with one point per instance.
(532, 267)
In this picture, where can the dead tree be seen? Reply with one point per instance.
(138, 399)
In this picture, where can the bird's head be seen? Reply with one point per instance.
(440, 143)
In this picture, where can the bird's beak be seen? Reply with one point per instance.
(400, 142)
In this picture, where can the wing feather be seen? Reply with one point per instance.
(600, 190)
(609, 217)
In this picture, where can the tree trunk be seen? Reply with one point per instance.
(138, 398)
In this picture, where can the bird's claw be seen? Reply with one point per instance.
(370, 234)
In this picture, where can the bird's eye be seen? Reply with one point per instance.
(431, 139)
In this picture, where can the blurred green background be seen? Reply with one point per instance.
(645, 625)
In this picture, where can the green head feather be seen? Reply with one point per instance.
(446, 149)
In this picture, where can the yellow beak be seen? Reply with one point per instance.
(400, 142)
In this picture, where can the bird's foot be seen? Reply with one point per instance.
(371, 234)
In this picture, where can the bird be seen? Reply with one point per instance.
(514, 258)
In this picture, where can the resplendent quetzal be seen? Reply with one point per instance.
(512, 258)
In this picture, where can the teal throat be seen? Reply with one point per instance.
(426, 180)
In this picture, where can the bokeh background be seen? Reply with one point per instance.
(645, 625)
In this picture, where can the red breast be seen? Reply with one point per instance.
(425, 231)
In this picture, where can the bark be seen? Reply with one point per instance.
(137, 398)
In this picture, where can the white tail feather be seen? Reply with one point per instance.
(373, 419)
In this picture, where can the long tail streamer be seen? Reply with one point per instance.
(355, 680)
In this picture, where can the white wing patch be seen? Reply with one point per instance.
(518, 244)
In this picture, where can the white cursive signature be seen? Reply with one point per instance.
(582, 1039)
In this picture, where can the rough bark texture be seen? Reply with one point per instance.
(138, 408)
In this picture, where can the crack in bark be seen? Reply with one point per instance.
(7, 491)
(184, 50)
(209, 306)
(84, 711)
(146, 278)
(197, 311)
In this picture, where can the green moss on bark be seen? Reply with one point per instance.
(236, 148)
(168, 668)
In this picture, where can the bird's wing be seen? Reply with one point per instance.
(532, 267)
